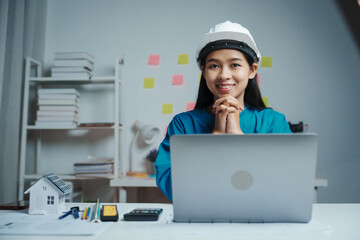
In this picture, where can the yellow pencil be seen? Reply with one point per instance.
(84, 213)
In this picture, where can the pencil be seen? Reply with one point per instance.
(98, 211)
(84, 214)
(88, 213)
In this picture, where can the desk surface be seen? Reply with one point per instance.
(329, 221)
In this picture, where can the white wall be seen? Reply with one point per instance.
(314, 78)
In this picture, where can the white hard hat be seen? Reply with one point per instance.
(228, 35)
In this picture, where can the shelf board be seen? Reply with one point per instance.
(133, 182)
(62, 176)
(110, 79)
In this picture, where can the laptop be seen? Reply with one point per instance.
(256, 178)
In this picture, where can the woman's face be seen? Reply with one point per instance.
(227, 72)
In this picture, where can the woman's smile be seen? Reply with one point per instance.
(225, 88)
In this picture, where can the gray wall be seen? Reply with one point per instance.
(314, 78)
(22, 25)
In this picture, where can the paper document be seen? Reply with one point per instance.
(20, 223)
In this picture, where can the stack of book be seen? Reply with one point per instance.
(58, 107)
(95, 167)
(73, 65)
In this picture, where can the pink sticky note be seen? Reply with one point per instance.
(258, 79)
(177, 79)
(190, 106)
(154, 59)
(165, 129)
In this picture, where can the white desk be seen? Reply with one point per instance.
(330, 221)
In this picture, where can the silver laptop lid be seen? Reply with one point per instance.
(243, 178)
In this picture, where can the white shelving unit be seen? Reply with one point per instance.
(33, 78)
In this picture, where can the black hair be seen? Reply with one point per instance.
(252, 96)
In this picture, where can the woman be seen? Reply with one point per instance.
(229, 100)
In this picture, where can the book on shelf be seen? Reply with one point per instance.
(58, 91)
(73, 102)
(74, 118)
(94, 175)
(55, 124)
(69, 69)
(95, 161)
(74, 55)
(96, 124)
(74, 63)
(98, 168)
(56, 113)
(57, 96)
(71, 72)
(95, 167)
(58, 108)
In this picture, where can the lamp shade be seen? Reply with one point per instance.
(148, 133)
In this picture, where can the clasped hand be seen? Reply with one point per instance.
(227, 115)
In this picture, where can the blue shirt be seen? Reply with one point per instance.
(199, 121)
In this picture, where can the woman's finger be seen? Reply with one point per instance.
(228, 101)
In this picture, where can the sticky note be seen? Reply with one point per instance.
(177, 79)
(165, 129)
(154, 59)
(258, 79)
(167, 108)
(266, 101)
(149, 82)
(266, 62)
(190, 106)
(183, 59)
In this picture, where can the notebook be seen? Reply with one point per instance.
(243, 178)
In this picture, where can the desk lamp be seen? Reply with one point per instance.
(148, 134)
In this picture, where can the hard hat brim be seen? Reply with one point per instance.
(228, 35)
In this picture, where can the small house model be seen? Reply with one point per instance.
(47, 195)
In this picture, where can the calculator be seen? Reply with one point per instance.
(143, 214)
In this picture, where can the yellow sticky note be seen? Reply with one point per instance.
(149, 82)
(167, 108)
(266, 62)
(183, 59)
(266, 101)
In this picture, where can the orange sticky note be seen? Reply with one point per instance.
(190, 106)
(154, 59)
(183, 59)
(266, 62)
(167, 108)
(266, 101)
(177, 79)
(149, 82)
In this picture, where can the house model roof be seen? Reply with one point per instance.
(57, 182)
